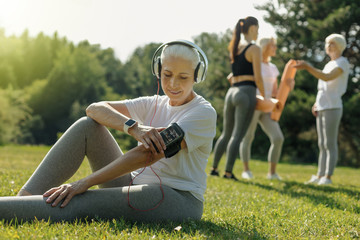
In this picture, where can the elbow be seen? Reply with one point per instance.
(93, 108)
(90, 110)
(327, 78)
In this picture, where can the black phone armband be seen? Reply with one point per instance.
(172, 137)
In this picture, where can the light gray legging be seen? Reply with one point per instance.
(327, 125)
(238, 110)
(272, 130)
(88, 138)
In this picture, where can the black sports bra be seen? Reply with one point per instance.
(241, 66)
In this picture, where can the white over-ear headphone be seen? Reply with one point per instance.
(200, 70)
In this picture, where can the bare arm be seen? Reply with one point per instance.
(256, 62)
(317, 72)
(134, 159)
(115, 114)
(275, 89)
(109, 114)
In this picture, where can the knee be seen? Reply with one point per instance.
(235, 141)
(248, 139)
(87, 125)
(88, 122)
(278, 140)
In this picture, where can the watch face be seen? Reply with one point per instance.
(130, 122)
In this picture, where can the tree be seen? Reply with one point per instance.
(13, 113)
(77, 76)
(216, 84)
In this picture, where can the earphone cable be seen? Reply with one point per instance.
(148, 161)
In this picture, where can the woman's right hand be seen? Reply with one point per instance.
(149, 136)
(314, 110)
(65, 193)
(301, 64)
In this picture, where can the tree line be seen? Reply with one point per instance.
(46, 82)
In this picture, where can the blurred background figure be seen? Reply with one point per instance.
(328, 107)
(240, 99)
(272, 129)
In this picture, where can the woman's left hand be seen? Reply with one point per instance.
(150, 137)
(65, 193)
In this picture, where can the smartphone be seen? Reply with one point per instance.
(172, 137)
(172, 134)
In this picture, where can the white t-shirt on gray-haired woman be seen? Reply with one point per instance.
(330, 92)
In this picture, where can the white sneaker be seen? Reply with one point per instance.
(247, 175)
(274, 177)
(324, 181)
(313, 180)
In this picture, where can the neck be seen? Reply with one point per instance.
(265, 59)
(334, 56)
(247, 38)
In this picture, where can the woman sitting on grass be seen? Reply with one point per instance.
(173, 188)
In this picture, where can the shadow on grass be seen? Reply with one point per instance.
(183, 230)
(204, 228)
(316, 194)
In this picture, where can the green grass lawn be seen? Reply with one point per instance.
(256, 209)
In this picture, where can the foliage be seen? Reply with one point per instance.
(139, 80)
(257, 209)
(13, 113)
(216, 84)
(59, 81)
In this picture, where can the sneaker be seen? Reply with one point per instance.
(274, 177)
(247, 175)
(214, 173)
(230, 177)
(313, 180)
(324, 181)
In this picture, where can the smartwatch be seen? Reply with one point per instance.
(129, 124)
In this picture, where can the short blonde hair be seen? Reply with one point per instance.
(264, 42)
(338, 39)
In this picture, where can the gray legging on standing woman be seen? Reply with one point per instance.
(327, 125)
(239, 107)
(90, 139)
(272, 130)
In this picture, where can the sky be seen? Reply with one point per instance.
(126, 24)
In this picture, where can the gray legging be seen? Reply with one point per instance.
(238, 110)
(327, 125)
(272, 130)
(88, 138)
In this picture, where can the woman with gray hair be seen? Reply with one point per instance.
(175, 133)
(328, 107)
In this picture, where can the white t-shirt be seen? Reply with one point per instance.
(186, 170)
(269, 73)
(330, 92)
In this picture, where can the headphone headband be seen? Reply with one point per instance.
(201, 69)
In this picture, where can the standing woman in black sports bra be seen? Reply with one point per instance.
(240, 99)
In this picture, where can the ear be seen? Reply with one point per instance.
(252, 29)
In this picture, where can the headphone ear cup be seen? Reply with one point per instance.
(199, 72)
(157, 67)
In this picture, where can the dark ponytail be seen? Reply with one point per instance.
(242, 26)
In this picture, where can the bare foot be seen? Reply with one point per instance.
(23, 192)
